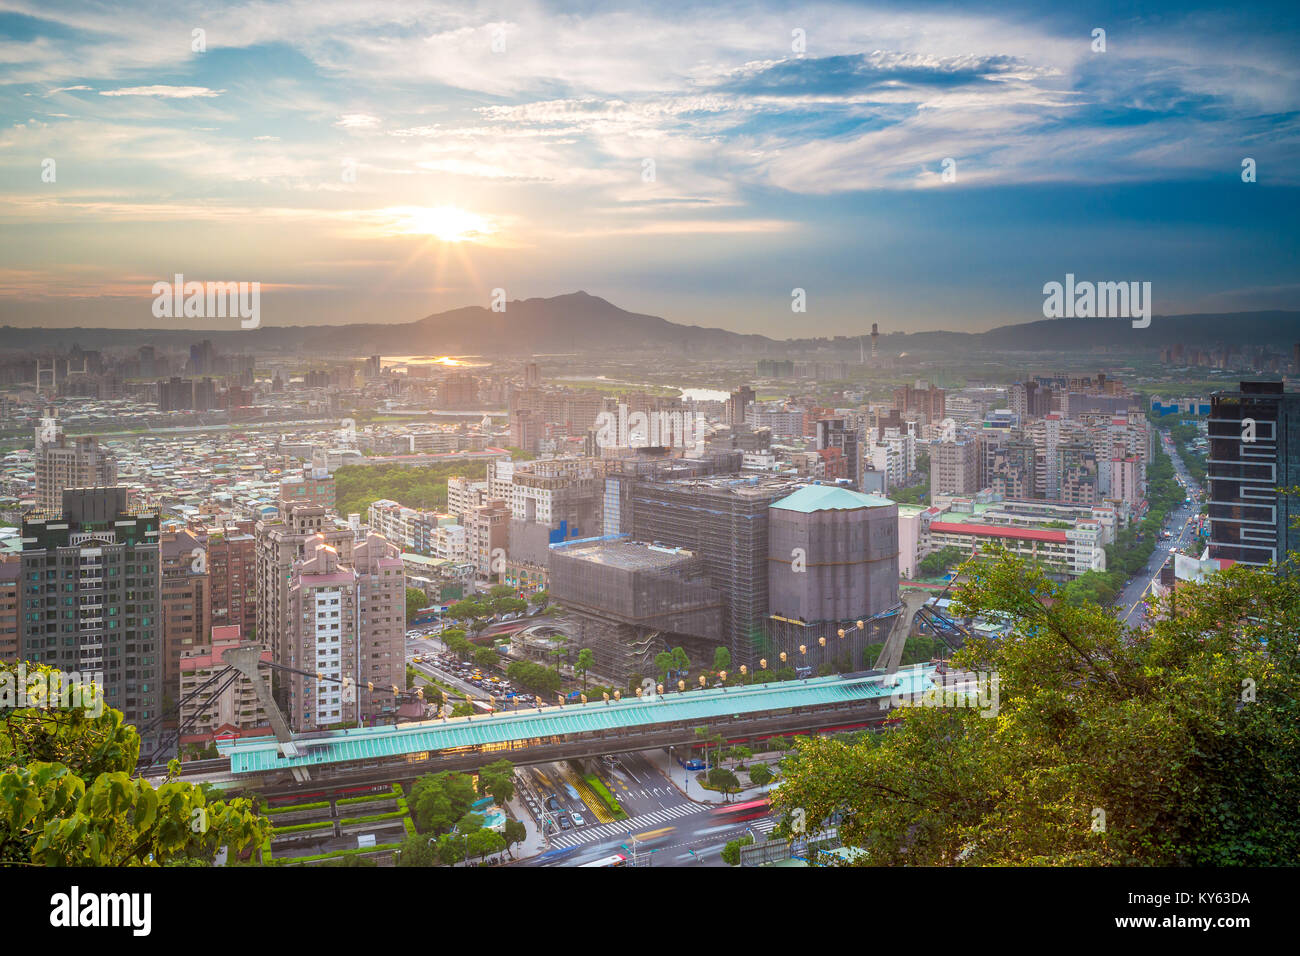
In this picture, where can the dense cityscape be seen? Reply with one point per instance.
(689, 441)
(425, 553)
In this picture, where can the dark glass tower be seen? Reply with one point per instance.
(1250, 522)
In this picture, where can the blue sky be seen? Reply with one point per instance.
(381, 161)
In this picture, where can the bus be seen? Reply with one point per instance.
(618, 859)
(739, 812)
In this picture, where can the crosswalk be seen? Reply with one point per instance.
(636, 824)
(642, 822)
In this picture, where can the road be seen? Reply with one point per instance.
(670, 829)
(685, 835)
(426, 646)
(1181, 526)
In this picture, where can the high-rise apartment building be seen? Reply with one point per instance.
(737, 407)
(1077, 473)
(921, 398)
(954, 468)
(11, 568)
(347, 621)
(232, 569)
(1254, 450)
(280, 544)
(1012, 468)
(464, 495)
(62, 463)
(839, 432)
(487, 537)
(186, 602)
(91, 602)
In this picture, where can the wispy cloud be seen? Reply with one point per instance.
(165, 92)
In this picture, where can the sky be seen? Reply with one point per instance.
(920, 165)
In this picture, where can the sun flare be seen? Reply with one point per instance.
(447, 223)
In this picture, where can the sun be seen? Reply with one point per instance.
(447, 223)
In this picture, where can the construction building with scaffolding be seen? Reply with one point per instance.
(630, 600)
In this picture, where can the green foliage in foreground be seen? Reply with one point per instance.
(67, 797)
(1174, 745)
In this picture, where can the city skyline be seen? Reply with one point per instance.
(385, 164)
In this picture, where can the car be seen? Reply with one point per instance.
(553, 803)
(578, 820)
(565, 823)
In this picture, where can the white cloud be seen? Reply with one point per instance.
(357, 121)
(165, 92)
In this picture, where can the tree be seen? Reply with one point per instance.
(515, 832)
(938, 562)
(468, 611)
(440, 799)
(731, 850)
(416, 851)
(415, 602)
(483, 843)
(720, 778)
(533, 677)
(1171, 744)
(486, 658)
(586, 660)
(69, 797)
(721, 659)
(358, 486)
(760, 774)
(663, 665)
(540, 598)
(509, 605)
(681, 662)
(353, 860)
(497, 779)
(462, 709)
(456, 642)
(451, 849)
(501, 591)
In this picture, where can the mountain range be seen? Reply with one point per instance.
(578, 322)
